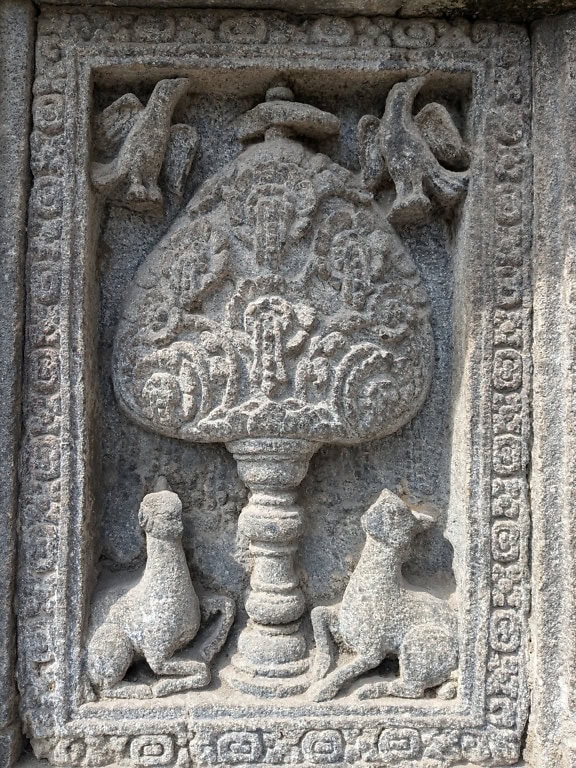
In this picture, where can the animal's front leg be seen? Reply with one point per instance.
(186, 674)
(329, 687)
(325, 626)
(226, 610)
(125, 690)
(110, 653)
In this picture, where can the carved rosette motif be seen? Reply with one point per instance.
(510, 525)
(51, 517)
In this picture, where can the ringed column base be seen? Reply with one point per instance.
(272, 658)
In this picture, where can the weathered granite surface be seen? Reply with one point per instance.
(16, 44)
(283, 257)
(295, 467)
(510, 10)
(552, 729)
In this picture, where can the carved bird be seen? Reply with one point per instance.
(144, 134)
(413, 152)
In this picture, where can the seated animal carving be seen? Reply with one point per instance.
(381, 615)
(424, 155)
(159, 615)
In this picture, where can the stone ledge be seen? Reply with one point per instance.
(516, 11)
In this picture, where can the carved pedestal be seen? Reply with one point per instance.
(273, 657)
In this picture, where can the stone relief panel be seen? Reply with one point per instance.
(273, 493)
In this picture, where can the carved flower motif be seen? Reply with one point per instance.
(148, 751)
(507, 369)
(475, 747)
(270, 206)
(163, 397)
(332, 30)
(506, 497)
(506, 585)
(505, 631)
(399, 744)
(503, 676)
(238, 747)
(243, 29)
(69, 752)
(444, 745)
(158, 318)
(198, 258)
(323, 746)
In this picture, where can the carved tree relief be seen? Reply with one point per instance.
(280, 312)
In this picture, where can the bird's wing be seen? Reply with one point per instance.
(114, 123)
(372, 162)
(442, 136)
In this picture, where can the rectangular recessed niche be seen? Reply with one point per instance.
(278, 357)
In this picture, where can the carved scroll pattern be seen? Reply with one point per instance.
(42, 511)
(378, 32)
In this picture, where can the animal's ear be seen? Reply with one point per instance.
(382, 514)
(391, 499)
(161, 484)
(143, 513)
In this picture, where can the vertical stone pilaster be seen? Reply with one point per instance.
(553, 716)
(16, 44)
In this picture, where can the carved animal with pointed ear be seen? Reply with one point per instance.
(158, 616)
(141, 155)
(413, 152)
(381, 615)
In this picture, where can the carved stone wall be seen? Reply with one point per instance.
(286, 495)
(16, 41)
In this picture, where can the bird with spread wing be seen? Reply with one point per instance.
(423, 154)
(140, 148)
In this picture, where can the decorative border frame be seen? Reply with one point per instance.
(57, 504)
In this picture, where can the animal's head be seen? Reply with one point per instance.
(160, 515)
(390, 521)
